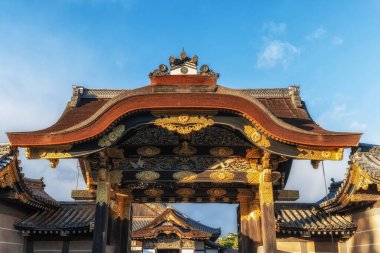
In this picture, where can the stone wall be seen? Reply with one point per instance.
(295, 245)
(59, 244)
(367, 236)
(10, 239)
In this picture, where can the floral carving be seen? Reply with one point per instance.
(184, 124)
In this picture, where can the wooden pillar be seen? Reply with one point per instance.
(250, 225)
(268, 222)
(101, 212)
(124, 200)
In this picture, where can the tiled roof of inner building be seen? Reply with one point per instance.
(196, 224)
(6, 156)
(293, 220)
(34, 188)
(69, 216)
(299, 218)
(368, 158)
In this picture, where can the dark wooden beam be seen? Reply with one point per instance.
(101, 212)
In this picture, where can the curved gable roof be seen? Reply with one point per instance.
(278, 112)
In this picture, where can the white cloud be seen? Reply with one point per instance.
(275, 28)
(337, 41)
(357, 126)
(277, 53)
(337, 113)
(316, 34)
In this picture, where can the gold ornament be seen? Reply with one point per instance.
(185, 192)
(221, 151)
(48, 153)
(216, 192)
(184, 124)
(222, 176)
(185, 176)
(154, 192)
(111, 137)
(310, 154)
(259, 139)
(147, 175)
(148, 151)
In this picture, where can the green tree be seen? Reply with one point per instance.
(230, 241)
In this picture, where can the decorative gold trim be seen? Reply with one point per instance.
(253, 177)
(185, 176)
(111, 137)
(184, 123)
(309, 154)
(266, 188)
(48, 153)
(258, 138)
(147, 175)
(222, 176)
(359, 178)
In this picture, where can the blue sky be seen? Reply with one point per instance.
(330, 48)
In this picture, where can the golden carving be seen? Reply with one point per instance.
(147, 175)
(266, 188)
(188, 244)
(154, 192)
(253, 153)
(48, 153)
(222, 176)
(253, 177)
(216, 192)
(359, 178)
(310, 154)
(185, 192)
(111, 137)
(148, 151)
(83, 194)
(102, 193)
(53, 163)
(232, 164)
(184, 124)
(258, 138)
(221, 151)
(185, 176)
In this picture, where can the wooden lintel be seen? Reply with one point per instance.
(362, 197)
(83, 194)
(286, 195)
